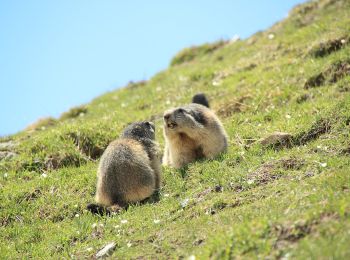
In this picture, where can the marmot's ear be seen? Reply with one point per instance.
(201, 99)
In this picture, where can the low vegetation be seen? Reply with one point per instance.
(290, 200)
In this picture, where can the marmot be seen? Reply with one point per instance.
(129, 169)
(192, 132)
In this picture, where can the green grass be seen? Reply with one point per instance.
(252, 202)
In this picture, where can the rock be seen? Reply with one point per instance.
(7, 155)
(277, 139)
(106, 251)
(7, 145)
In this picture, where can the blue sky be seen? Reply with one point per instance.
(59, 54)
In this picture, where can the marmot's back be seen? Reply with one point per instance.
(125, 172)
(128, 171)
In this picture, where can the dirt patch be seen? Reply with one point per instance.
(338, 70)
(325, 48)
(331, 75)
(263, 175)
(289, 233)
(292, 163)
(315, 81)
(29, 196)
(277, 140)
(233, 106)
(86, 146)
(303, 98)
(320, 127)
(269, 172)
(56, 161)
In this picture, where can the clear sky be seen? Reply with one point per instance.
(59, 54)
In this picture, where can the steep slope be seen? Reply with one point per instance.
(287, 200)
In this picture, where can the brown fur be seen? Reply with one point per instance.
(192, 132)
(129, 169)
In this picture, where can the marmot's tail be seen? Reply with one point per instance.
(98, 209)
(201, 99)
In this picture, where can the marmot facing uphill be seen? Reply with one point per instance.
(192, 132)
(129, 169)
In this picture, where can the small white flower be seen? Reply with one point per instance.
(123, 105)
(250, 182)
(101, 225)
(76, 205)
(156, 221)
(167, 102)
(158, 89)
(323, 165)
(216, 83)
(44, 175)
(77, 215)
(184, 203)
(94, 225)
(288, 116)
(166, 195)
(123, 221)
(271, 36)
(89, 249)
(343, 41)
(191, 257)
(117, 226)
(128, 244)
(6, 175)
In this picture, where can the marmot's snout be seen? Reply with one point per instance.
(169, 121)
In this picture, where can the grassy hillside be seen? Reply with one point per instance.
(288, 200)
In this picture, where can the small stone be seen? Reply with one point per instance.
(277, 138)
(343, 41)
(106, 251)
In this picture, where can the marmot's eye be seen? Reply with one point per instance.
(181, 110)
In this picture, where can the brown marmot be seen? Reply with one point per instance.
(129, 169)
(192, 132)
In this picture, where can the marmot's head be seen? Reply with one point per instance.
(185, 117)
(140, 130)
